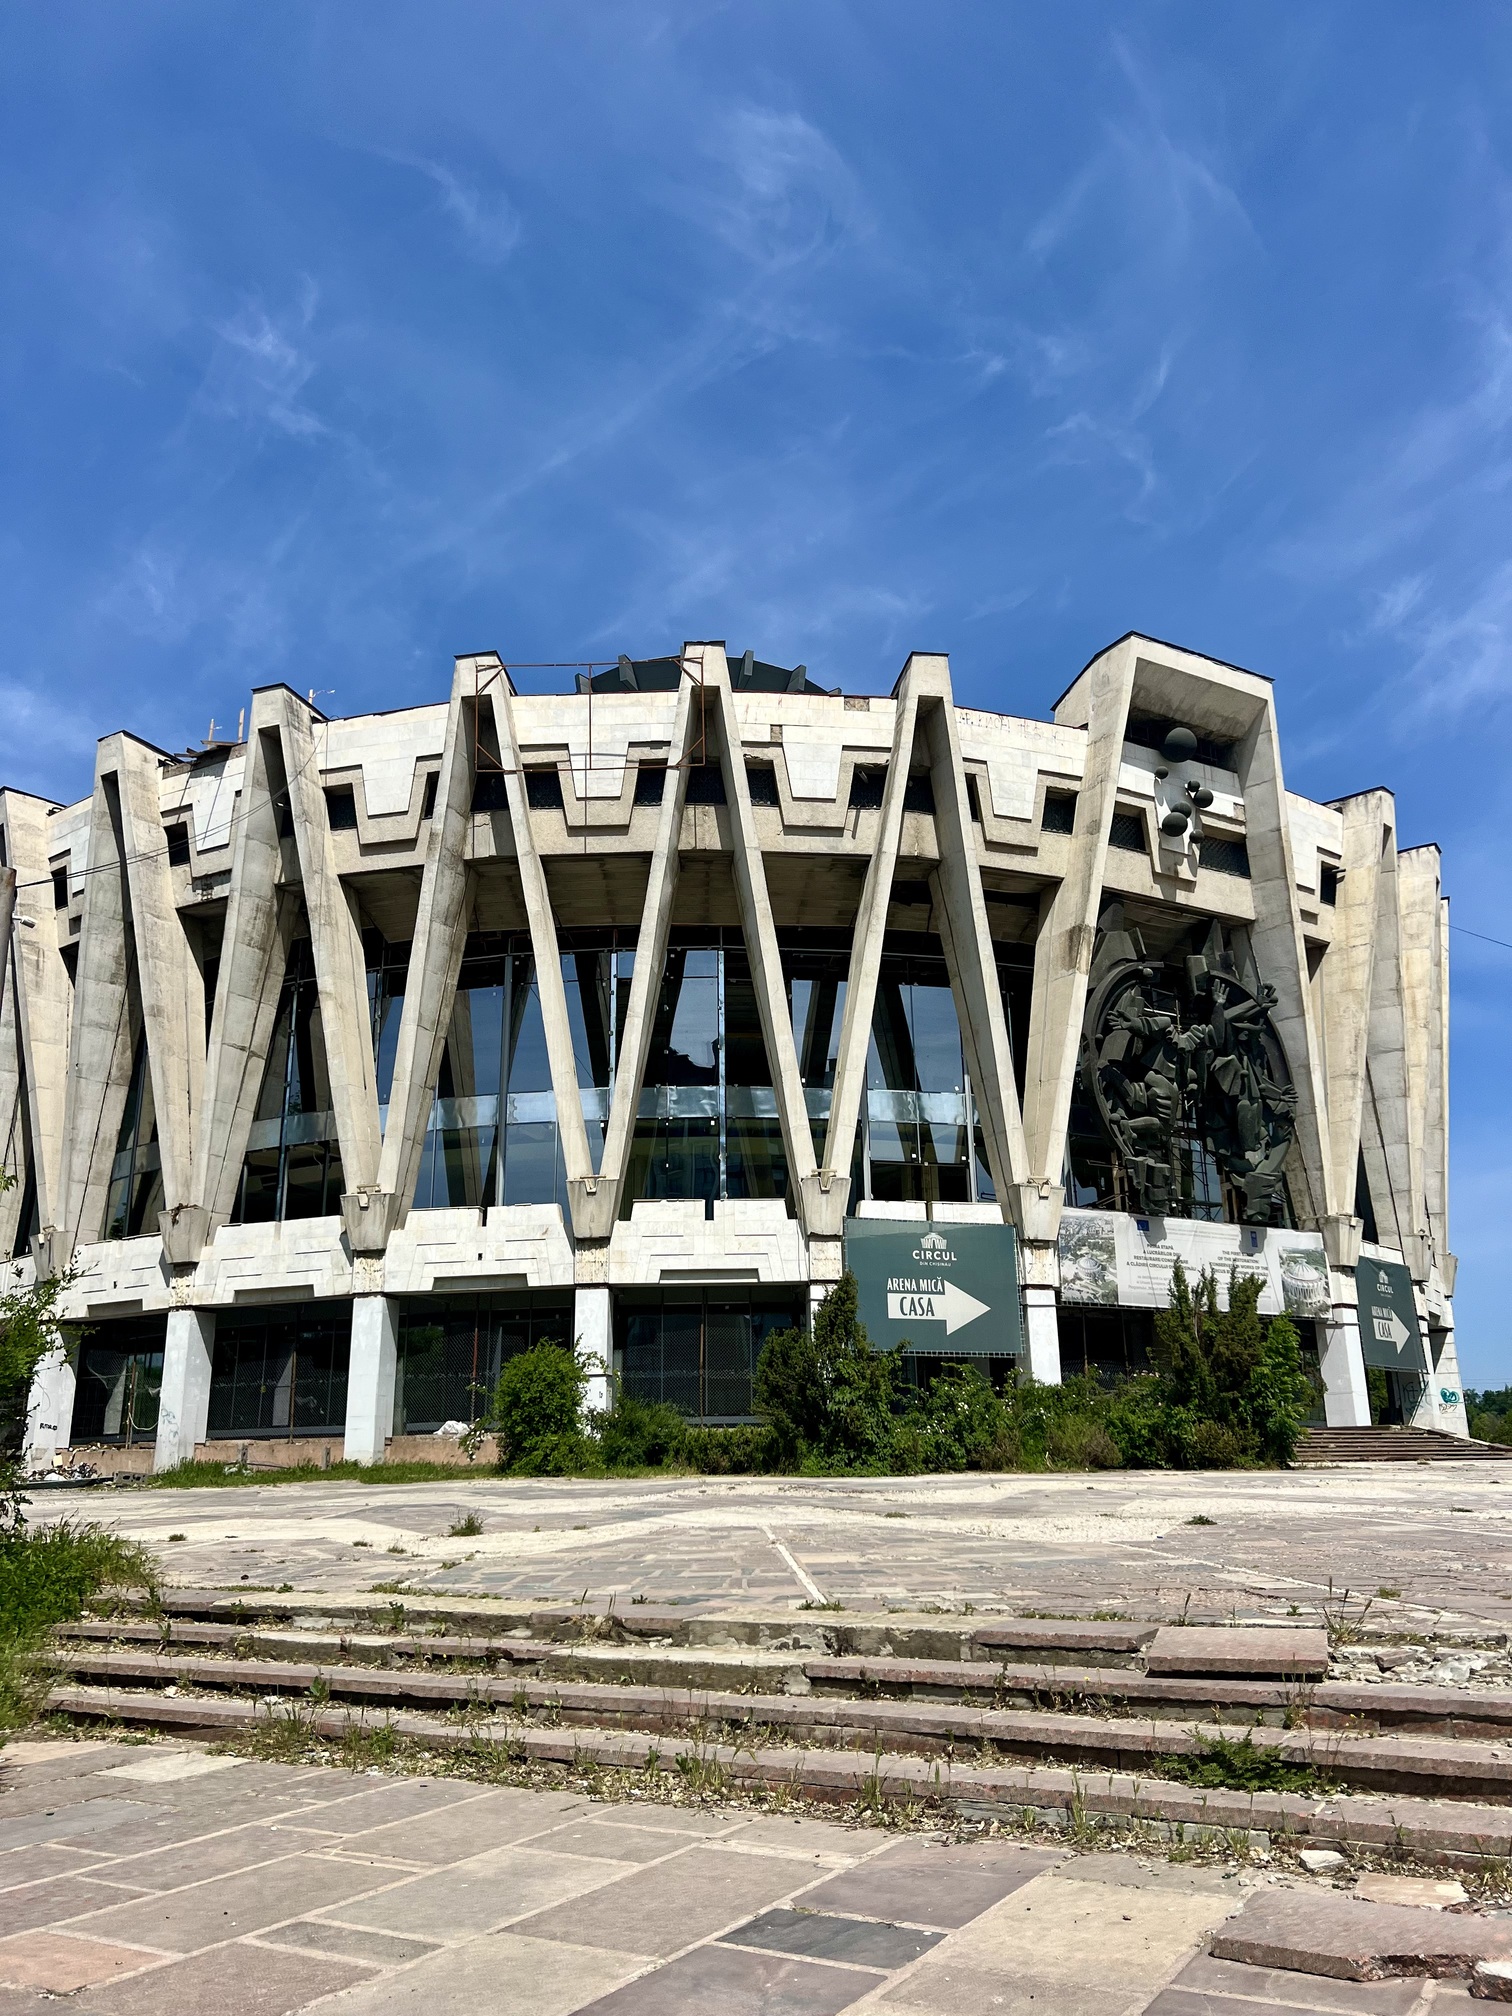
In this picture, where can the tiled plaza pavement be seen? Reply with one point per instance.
(161, 1880)
(1437, 1537)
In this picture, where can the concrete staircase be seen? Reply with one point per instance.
(1394, 1445)
(1038, 1722)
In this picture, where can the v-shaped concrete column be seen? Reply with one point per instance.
(571, 1130)
(1425, 977)
(1343, 987)
(833, 1181)
(259, 927)
(596, 1199)
(102, 1037)
(969, 955)
(42, 999)
(1389, 1136)
(167, 978)
(1068, 920)
(335, 947)
(435, 962)
(760, 933)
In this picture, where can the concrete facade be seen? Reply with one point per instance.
(337, 1061)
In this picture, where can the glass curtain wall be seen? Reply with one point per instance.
(293, 1163)
(493, 1136)
(918, 1140)
(451, 1348)
(280, 1371)
(706, 1124)
(120, 1377)
(696, 1348)
(135, 1198)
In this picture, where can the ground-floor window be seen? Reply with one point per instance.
(451, 1348)
(120, 1376)
(696, 1348)
(922, 1368)
(280, 1371)
(1108, 1343)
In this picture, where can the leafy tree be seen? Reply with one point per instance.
(828, 1393)
(28, 1334)
(537, 1413)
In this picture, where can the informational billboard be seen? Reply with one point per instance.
(939, 1289)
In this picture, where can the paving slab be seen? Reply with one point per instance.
(499, 1972)
(348, 1942)
(921, 1883)
(737, 1983)
(59, 1964)
(950, 1988)
(228, 1907)
(205, 1855)
(453, 1833)
(657, 1911)
(474, 1896)
(54, 1898)
(1328, 1932)
(241, 1980)
(818, 1935)
(60, 1822)
(1219, 1980)
(1261, 1652)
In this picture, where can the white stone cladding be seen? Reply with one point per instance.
(104, 930)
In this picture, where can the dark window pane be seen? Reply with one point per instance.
(60, 888)
(488, 792)
(543, 789)
(178, 846)
(1060, 812)
(650, 783)
(1127, 831)
(428, 802)
(918, 793)
(868, 782)
(706, 784)
(761, 781)
(341, 808)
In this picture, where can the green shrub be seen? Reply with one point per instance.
(47, 1578)
(744, 1451)
(958, 1423)
(1082, 1444)
(536, 1414)
(827, 1393)
(639, 1434)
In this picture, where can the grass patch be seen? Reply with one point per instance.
(47, 1578)
(218, 1476)
(1224, 1765)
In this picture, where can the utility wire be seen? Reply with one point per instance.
(1465, 932)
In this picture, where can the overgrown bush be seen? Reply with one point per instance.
(536, 1414)
(641, 1434)
(828, 1395)
(743, 1451)
(47, 1578)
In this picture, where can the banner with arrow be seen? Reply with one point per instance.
(1390, 1337)
(943, 1289)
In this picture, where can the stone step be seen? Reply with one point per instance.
(1389, 1763)
(1330, 1704)
(1394, 1445)
(1457, 1832)
(1350, 1939)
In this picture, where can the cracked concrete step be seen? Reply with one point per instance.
(1350, 1939)
(1469, 1713)
(1030, 1795)
(1386, 1763)
(1050, 1640)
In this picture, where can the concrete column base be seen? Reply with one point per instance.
(593, 1340)
(1041, 1335)
(184, 1404)
(49, 1411)
(1346, 1400)
(371, 1372)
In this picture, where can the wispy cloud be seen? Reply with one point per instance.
(488, 224)
(786, 195)
(260, 370)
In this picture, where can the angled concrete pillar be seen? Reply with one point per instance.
(760, 933)
(103, 1034)
(1424, 976)
(1041, 1334)
(259, 927)
(1344, 984)
(833, 1180)
(167, 979)
(335, 943)
(42, 997)
(572, 1133)
(49, 1411)
(1280, 954)
(593, 1341)
(970, 957)
(371, 1373)
(1099, 702)
(435, 961)
(596, 1199)
(184, 1404)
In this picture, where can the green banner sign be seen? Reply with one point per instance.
(950, 1290)
(1389, 1334)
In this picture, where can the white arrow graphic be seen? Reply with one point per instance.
(961, 1308)
(1389, 1327)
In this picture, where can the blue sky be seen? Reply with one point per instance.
(336, 339)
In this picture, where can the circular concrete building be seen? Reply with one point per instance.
(345, 1059)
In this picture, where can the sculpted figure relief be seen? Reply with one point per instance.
(1186, 1046)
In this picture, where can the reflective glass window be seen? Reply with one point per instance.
(135, 1197)
(293, 1161)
